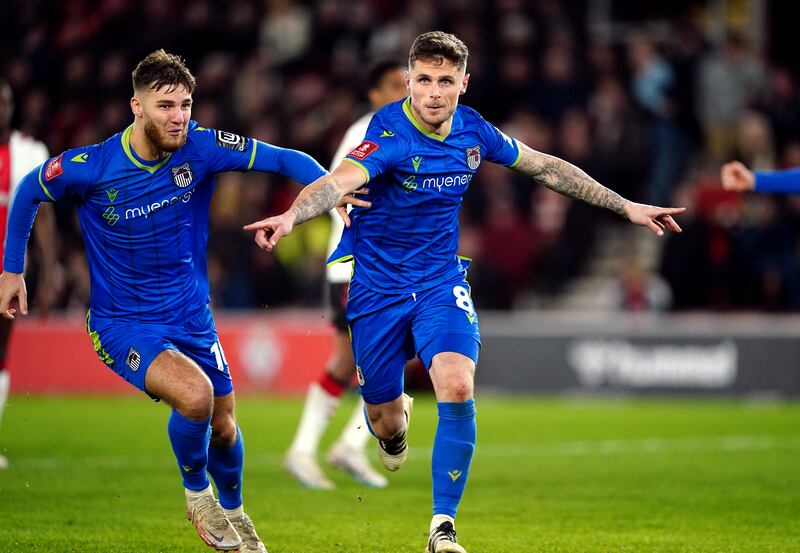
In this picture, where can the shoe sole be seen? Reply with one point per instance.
(456, 549)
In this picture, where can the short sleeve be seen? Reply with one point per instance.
(378, 151)
(500, 148)
(223, 150)
(69, 174)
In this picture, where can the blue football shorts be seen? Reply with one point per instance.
(389, 329)
(128, 348)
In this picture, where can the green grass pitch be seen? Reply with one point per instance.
(550, 475)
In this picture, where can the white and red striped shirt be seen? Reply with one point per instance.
(17, 157)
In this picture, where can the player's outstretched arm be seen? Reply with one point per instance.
(319, 197)
(567, 179)
(736, 177)
(12, 285)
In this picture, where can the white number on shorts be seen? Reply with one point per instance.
(216, 349)
(462, 299)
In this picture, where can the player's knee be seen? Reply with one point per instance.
(196, 403)
(453, 376)
(456, 387)
(224, 432)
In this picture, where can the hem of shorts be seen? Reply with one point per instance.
(472, 336)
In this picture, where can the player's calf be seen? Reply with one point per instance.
(394, 451)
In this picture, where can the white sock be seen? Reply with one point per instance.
(192, 494)
(355, 434)
(438, 519)
(234, 513)
(4, 385)
(317, 412)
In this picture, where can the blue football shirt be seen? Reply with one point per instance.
(407, 241)
(145, 223)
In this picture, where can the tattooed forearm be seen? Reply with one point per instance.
(565, 178)
(316, 199)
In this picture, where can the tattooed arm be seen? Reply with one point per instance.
(567, 179)
(325, 193)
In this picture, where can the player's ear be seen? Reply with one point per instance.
(407, 75)
(136, 106)
(464, 83)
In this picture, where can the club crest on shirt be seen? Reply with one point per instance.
(54, 168)
(364, 150)
(474, 157)
(182, 175)
(133, 359)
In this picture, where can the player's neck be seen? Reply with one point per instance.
(143, 146)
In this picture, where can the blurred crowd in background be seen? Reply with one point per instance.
(651, 112)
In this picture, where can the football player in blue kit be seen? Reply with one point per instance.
(143, 201)
(409, 294)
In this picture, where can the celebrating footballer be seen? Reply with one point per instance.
(409, 293)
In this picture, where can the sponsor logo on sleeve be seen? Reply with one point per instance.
(364, 150)
(360, 376)
(54, 168)
(474, 157)
(182, 175)
(80, 158)
(231, 141)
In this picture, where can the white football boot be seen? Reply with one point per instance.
(305, 469)
(251, 543)
(355, 463)
(214, 528)
(442, 539)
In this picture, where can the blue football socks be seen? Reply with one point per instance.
(225, 467)
(190, 443)
(453, 448)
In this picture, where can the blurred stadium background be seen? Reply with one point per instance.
(649, 97)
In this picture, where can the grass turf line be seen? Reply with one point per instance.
(550, 474)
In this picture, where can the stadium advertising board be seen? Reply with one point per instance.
(282, 353)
